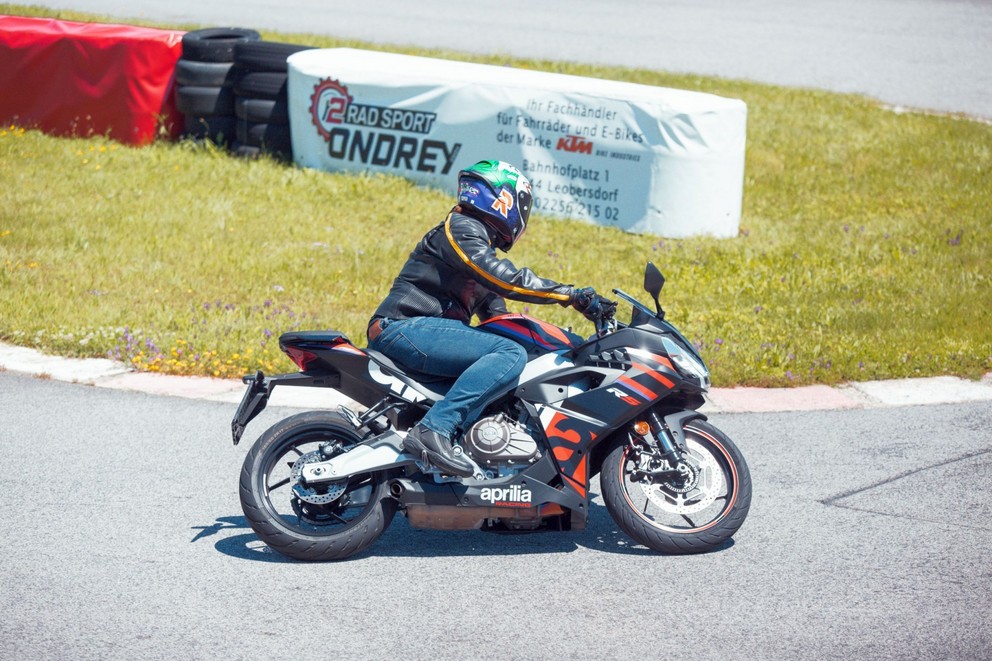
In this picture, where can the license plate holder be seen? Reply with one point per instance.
(253, 402)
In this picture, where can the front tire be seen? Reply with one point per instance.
(329, 523)
(693, 515)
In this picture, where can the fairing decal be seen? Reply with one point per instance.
(655, 361)
(629, 382)
(395, 385)
(578, 479)
(657, 368)
(657, 376)
(542, 365)
(570, 440)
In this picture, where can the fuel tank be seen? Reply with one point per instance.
(537, 336)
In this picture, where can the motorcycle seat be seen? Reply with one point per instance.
(296, 338)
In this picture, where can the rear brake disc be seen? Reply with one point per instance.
(329, 492)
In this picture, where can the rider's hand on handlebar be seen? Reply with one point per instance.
(593, 306)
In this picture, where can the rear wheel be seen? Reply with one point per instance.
(694, 511)
(328, 522)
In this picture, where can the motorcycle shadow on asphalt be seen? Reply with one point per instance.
(402, 541)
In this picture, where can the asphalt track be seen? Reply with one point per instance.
(931, 54)
(122, 537)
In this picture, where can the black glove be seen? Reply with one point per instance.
(593, 306)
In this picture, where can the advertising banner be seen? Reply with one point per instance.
(640, 158)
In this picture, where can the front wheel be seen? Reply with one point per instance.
(329, 522)
(695, 512)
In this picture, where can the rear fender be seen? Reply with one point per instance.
(260, 389)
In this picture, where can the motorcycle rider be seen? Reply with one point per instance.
(452, 274)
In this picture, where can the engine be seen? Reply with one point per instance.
(501, 444)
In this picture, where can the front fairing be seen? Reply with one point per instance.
(648, 333)
(650, 321)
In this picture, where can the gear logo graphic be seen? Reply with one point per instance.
(328, 105)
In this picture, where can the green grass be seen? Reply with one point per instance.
(864, 251)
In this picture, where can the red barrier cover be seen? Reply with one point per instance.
(70, 78)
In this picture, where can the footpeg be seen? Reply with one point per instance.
(350, 416)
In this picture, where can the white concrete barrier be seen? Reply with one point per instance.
(641, 158)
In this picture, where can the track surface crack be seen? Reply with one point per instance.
(834, 501)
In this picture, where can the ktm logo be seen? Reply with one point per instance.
(574, 144)
(503, 203)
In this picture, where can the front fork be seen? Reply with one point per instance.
(669, 433)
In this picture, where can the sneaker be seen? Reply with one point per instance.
(435, 449)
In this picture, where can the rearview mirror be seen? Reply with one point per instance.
(653, 280)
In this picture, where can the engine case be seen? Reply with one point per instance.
(498, 441)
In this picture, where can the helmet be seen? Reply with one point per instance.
(499, 195)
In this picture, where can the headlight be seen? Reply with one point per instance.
(687, 364)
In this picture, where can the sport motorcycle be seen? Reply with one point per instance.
(623, 403)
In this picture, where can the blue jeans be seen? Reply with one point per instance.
(481, 363)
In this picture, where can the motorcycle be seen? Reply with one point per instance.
(324, 485)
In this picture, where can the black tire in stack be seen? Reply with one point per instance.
(205, 82)
(260, 99)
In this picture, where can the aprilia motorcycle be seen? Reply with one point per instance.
(324, 485)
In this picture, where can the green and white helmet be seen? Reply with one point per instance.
(500, 195)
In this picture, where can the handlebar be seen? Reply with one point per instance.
(606, 323)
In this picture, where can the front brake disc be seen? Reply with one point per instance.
(708, 485)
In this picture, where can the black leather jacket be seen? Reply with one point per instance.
(454, 272)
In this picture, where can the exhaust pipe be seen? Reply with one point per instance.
(396, 489)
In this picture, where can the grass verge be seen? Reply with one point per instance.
(864, 251)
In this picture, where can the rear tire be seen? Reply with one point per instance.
(663, 517)
(299, 528)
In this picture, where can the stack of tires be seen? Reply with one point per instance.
(205, 78)
(260, 99)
